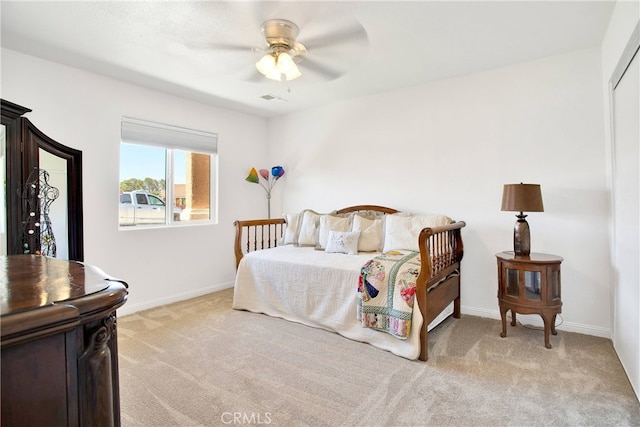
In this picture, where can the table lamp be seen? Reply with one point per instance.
(522, 198)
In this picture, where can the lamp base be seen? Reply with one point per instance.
(521, 236)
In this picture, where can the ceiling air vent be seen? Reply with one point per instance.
(275, 98)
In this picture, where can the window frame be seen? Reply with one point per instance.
(171, 139)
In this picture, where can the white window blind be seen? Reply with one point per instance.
(137, 131)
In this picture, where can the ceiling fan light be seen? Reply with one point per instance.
(294, 74)
(275, 74)
(286, 67)
(278, 66)
(267, 64)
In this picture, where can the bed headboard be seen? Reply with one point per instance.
(367, 209)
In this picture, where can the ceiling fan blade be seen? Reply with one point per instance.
(350, 34)
(220, 46)
(231, 47)
(315, 66)
(254, 76)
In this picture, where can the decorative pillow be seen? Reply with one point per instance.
(290, 233)
(331, 222)
(344, 242)
(307, 234)
(370, 233)
(401, 232)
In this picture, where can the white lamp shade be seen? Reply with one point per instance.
(278, 67)
(267, 64)
(287, 67)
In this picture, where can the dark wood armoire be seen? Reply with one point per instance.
(23, 144)
(59, 348)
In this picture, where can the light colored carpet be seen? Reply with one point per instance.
(200, 363)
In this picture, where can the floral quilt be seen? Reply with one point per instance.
(386, 291)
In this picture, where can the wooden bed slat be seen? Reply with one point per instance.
(257, 234)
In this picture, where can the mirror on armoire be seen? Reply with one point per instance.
(42, 196)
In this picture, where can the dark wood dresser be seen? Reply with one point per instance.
(59, 349)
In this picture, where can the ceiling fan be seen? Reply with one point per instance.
(282, 52)
(327, 51)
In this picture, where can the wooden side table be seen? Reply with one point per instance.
(529, 285)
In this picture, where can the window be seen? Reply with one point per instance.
(167, 175)
(153, 200)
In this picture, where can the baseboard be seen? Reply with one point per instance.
(134, 308)
(536, 321)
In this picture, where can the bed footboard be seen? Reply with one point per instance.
(438, 284)
(257, 234)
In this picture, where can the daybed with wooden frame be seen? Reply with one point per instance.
(437, 284)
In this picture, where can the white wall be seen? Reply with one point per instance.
(448, 147)
(444, 147)
(83, 110)
(627, 338)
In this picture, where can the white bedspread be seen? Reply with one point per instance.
(317, 289)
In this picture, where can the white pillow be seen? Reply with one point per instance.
(290, 233)
(370, 233)
(401, 232)
(344, 242)
(331, 222)
(308, 228)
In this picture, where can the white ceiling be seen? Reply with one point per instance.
(192, 49)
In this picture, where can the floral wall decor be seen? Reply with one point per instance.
(266, 181)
